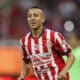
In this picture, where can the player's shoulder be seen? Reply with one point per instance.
(52, 31)
(47, 29)
(24, 36)
(54, 34)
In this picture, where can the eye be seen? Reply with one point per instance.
(29, 15)
(36, 15)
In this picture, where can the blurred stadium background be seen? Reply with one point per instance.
(61, 15)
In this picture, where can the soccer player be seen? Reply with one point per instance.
(43, 50)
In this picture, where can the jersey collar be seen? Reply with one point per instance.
(40, 34)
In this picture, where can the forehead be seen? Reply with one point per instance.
(34, 10)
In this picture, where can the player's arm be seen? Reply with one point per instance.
(68, 65)
(64, 49)
(26, 66)
(25, 70)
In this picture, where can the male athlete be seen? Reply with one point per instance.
(43, 50)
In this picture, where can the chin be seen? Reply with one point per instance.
(34, 27)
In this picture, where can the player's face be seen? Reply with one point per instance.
(35, 18)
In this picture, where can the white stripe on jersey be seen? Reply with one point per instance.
(41, 53)
(26, 38)
(57, 37)
(33, 52)
(41, 46)
(26, 42)
(32, 46)
(50, 51)
(20, 42)
(36, 55)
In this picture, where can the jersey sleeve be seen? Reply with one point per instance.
(61, 45)
(25, 56)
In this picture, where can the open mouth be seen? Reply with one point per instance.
(33, 23)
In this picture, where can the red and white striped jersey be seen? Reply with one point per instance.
(45, 53)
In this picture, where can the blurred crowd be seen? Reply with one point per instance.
(61, 15)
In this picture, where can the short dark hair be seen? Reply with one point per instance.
(36, 7)
(33, 7)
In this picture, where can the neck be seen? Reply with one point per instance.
(37, 31)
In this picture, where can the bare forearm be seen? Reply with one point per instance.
(69, 62)
(25, 70)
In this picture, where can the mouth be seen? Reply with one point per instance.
(33, 23)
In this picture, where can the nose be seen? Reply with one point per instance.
(32, 17)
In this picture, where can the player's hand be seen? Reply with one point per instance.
(62, 75)
(20, 78)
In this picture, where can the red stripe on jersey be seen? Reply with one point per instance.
(59, 45)
(59, 48)
(58, 60)
(36, 45)
(57, 56)
(49, 65)
(62, 45)
(38, 77)
(41, 67)
(52, 40)
(23, 41)
(62, 38)
(69, 48)
(29, 44)
(52, 69)
(53, 73)
(23, 47)
(44, 42)
(46, 76)
(52, 36)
